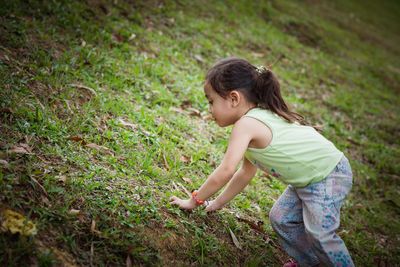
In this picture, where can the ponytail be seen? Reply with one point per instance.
(266, 88)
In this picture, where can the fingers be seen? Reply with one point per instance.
(174, 200)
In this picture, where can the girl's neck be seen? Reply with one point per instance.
(243, 110)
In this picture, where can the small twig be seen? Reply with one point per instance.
(185, 190)
(91, 254)
(181, 188)
(41, 187)
(166, 162)
(276, 61)
(67, 103)
(258, 229)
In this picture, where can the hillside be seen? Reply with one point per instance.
(103, 118)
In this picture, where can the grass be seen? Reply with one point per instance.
(108, 95)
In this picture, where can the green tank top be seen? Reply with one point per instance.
(297, 155)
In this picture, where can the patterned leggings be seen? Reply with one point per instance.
(306, 219)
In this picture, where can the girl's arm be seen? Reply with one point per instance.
(238, 182)
(238, 142)
(242, 134)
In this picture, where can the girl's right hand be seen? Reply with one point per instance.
(186, 204)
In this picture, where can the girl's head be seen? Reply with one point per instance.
(258, 86)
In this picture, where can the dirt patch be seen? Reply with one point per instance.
(168, 244)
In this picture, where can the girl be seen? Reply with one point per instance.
(267, 135)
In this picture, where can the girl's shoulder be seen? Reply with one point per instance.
(260, 134)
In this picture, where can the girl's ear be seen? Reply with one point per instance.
(235, 98)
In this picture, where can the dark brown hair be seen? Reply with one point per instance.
(259, 85)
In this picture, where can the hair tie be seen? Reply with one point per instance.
(261, 69)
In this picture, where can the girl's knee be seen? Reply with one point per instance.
(321, 240)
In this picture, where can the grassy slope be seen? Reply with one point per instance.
(340, 67)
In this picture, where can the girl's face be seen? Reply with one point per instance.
(221, 108)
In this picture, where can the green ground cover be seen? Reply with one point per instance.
(103, 118)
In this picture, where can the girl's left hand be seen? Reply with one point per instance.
(186, 204)
(212, 206)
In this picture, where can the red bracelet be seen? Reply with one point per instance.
(198, 201)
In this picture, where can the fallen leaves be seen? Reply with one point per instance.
(128, 124)
(21, 149)
(259, 55)
(99, 148)
(93, 228)
(234, 239)
(134, 127)
(102, 149)
(15, 222)
(199, 58)
(184, 159)
(62, 179)
(186, 108)
(187, 180)
(77, 138)
(74, 212)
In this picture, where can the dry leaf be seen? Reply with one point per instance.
(207, 117)
(118, 37)
(76, 138)
(255, 54)
(133, 36)
(194, 112)
(74, 212)
(187, 180)
(17, 223)
(199, 58)
(185, 159)
(93, 227)
(21, 149)
(128, 261)
(99, 148)
(81, 86)
(62, 179)
(179, 110)
(234, 239)
(128, 124)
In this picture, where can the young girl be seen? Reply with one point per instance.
(267, 135)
